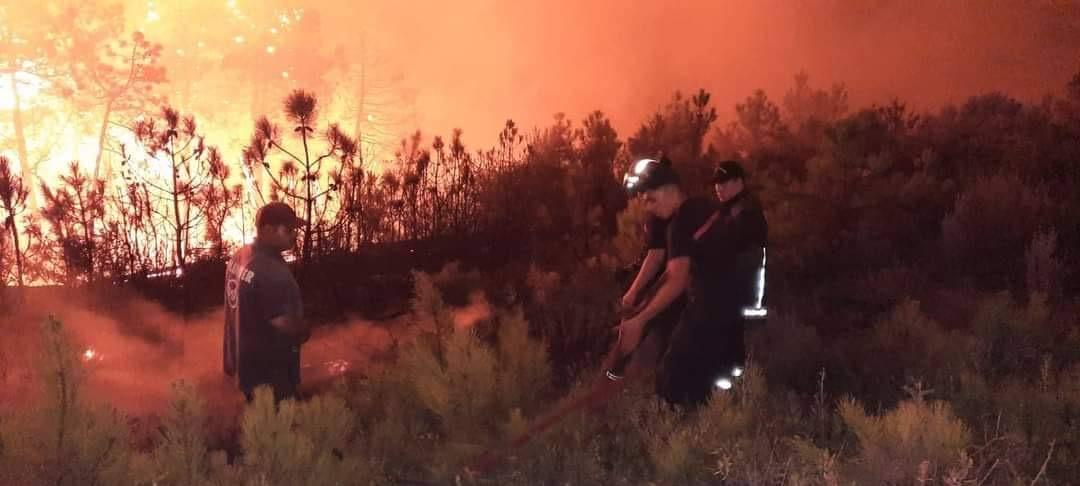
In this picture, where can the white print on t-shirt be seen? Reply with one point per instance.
(236, 274)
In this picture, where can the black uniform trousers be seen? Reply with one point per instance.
(705, 345)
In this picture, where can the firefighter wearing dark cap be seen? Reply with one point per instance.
(264, 324)
(745, 235)
(714, 251)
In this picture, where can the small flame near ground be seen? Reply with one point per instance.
(91, 354)
(337, 367)
(334, 367)
(135, 361)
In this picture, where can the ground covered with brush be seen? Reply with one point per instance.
(999, 406)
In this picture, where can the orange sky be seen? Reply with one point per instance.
(475, 63)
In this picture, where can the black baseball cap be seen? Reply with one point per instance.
(277, 213)
(728, 170)
(649, 174)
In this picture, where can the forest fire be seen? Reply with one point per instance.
(464, 273)
(83, 79)
(88, 84)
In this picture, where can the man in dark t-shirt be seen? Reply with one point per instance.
(658, 329)
(264, 325)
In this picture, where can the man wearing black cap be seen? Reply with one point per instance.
(264, 325)
(745, 234)
(706, 348)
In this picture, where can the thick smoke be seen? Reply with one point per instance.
(476, 63)
(134, 350)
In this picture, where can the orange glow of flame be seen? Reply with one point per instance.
(29, 86)
(58, 128)
(91, 355)
(337, 367)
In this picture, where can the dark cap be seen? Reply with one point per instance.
(728, 170)
(649, 174)
(276, 213)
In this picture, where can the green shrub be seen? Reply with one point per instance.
(788, 350)
(62, 441)
(990, 224)
(1013, 339)
(455, 390)
(299, 442)
(394, 430)
(524, 371)
(1045, 266)
(893, 447)
(460, 388)
(181, 456)
(575, 319)
(907, 346)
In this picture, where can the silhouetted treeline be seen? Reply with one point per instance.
(960, 194)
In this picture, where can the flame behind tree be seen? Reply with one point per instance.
(72, 210)
(56, 56)
(175, 168)
(454, 187)
(422, 195)
(276, 45)
(437, 187)
(217, 199)
(13, 196)
(131, 231)
(28, 60)
(354, 186)
(377, 99)
(120, 79)
(301, 178)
